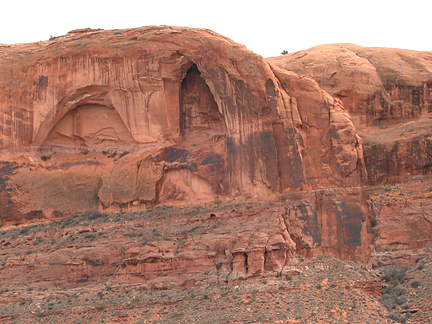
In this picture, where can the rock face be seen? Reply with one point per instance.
(177, 247)
(122, 121)
(388, 95)
(375, 84)
(198, 116)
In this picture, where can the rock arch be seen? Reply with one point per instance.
(89, 126)
(86, 119)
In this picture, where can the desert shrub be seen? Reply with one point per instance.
(401, 318)
(421, 265)
(393, 293)
(92, 215)
(394, 316)
(393, 296)
(191, 230)
(90, 237)
(399, 290)
(415, 284)
(71, 220)
(401, 300)
(389, 301)
(195, 211)
(176, 315)
(394, 275)
(388, 189)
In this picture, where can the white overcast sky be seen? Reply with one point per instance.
(265, 27)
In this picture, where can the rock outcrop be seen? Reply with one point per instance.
(388, 94)
(376, 85)
(125, 120)
(177, 247)
(122, 119)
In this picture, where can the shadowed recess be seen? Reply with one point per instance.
(88, 127)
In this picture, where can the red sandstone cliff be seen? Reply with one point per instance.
(388, 93)
(389, 97)
(200, 116)
(375, 84)
(128, 119)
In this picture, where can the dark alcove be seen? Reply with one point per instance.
(198, 108)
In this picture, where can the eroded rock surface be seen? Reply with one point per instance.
(178, 247)
(388, 95)
(185, 115)
(122, 121)
(375, 84)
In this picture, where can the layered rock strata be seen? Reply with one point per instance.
(388, 94)
(128, 119)
(173, 247)
(375, 84)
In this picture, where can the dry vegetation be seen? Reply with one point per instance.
(323, 290)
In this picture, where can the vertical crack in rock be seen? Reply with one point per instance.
(246, 265)
(265, 264)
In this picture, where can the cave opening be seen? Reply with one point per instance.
(89, 127)
(198, 108)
